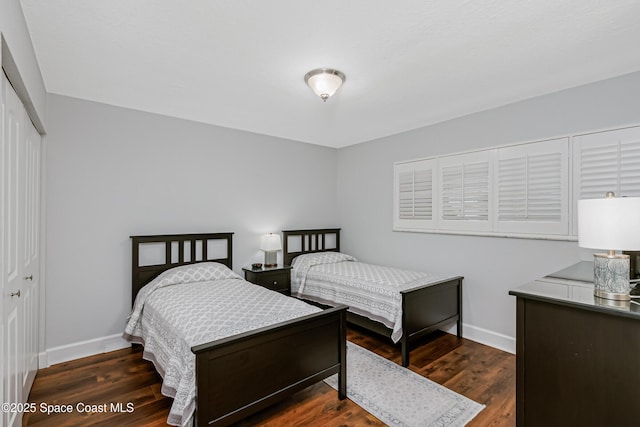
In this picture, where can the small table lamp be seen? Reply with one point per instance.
(611, 223)
(271, 244)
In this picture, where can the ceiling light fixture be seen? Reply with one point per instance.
(324, 81)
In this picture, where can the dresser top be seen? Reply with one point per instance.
(582, 271)
(573, 286)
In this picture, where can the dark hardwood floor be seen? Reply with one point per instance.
(479, 372)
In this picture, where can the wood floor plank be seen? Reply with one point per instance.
(479, 372)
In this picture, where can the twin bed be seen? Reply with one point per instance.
(402, 305)
(217, 362)
(227, 348)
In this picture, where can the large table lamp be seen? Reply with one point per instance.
(611, 223)
(271, 244)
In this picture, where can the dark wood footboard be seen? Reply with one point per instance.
(424, 310)
(428, 308)
(241, 375)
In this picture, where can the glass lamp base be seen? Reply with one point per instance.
(270, 259)
(611, 276)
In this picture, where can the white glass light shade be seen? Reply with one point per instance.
(610, 223)
(271, 242)
(324, 81)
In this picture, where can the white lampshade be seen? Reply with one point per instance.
(324, 81)
(271, 242)
(611, 223)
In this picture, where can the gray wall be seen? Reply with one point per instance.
(491, 266)
(113, 172)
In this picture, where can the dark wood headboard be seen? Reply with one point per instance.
(310, 241)
(196, 246)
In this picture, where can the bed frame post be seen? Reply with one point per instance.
(404, 340)
(135, 257)
(459, 324)
(342, 375)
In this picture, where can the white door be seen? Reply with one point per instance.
(20, 236)
(31, 250)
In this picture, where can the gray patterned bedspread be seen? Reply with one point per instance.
(196, 304)
(369, 290)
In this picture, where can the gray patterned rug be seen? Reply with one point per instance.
(398, 396)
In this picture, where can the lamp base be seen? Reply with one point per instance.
(611, 276)
(271, 259)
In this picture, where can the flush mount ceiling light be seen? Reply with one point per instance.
(324, 81)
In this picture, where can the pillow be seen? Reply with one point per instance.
(322, 258)
(190, 273)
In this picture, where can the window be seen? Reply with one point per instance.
(533, 182)
(464, 191)
(521, 190)
(525, 190)
(606, 161)
(413, 199)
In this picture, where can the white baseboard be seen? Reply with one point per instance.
(486, 337)
(78, 350)
(115, 342)
(43, 361)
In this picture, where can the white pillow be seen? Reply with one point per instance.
(322, 258)
(199, 272)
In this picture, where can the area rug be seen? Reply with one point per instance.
(398, 396)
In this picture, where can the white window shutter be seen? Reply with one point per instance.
(606, 161)
(464, 191)
(630, 166)
(533, 183)
(547, 185)
(452, 188)
(413, 194)
(599, 171)
(512, 188)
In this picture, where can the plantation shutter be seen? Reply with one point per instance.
(612, 165)
(532, 186)
(416, 190)
(606, 161)
(465, 191)
(630, 167)
(413, 201)
(524, 190)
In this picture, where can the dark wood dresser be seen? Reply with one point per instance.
(577, 356)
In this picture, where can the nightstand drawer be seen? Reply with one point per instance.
(277, 279)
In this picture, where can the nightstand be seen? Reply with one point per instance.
(275, 278)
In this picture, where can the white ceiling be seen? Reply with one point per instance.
(408, 64)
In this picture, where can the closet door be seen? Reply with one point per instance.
(30, 253)
(20, 248)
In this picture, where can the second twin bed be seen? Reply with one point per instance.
(403, 305)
